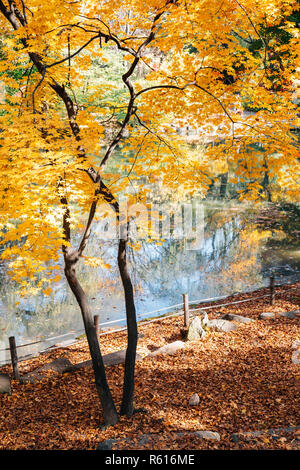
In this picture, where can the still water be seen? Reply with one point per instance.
(235, 255)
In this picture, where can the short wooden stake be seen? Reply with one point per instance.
(272, 290)
(14, 357)
(97, 323)
(186, 309)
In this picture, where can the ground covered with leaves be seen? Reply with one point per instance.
(245, 379)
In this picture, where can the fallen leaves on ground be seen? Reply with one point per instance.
(245, 379)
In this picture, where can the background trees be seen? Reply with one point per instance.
(70, 139)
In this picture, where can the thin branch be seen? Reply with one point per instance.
(157, 87)
(126, 79)
(74, 53)
(256, 31)
(35, 90)
(163, 141)
(87, 231)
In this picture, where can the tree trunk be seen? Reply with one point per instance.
(127, 406)
(266, 185)
(110, 414)
(223, 185)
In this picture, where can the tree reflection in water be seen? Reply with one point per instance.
(234, 256)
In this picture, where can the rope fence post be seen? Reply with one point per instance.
(14, 357)
(97, 324)
(186, 310)
(272, 290)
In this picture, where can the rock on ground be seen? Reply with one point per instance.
(111, 359)
(275, 432)
(59, 365)
(266, 315)
(296, 357)
(63, 365)
(293, 314)
(204, 318)
(237, 318)
(109, 444)
(222, 325)
(5, 386)
(195, 330)
(194, 400)
(170, 348)
(207, 435)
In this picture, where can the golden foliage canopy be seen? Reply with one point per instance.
(177, 63)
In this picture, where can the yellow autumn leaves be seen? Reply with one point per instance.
(198, 75)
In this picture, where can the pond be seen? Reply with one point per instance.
(239, 249)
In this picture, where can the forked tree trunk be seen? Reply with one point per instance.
(127, 407)
(110, 414)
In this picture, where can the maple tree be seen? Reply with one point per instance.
(246, 381)
(182, 62)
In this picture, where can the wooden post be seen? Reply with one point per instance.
(272, 290)
(97, 323)
(14, 357)
(186, 309)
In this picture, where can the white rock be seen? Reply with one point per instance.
(195, 330)
(266, 315)
(170, 348)
(194, 400)
(237, 318)
(222, 325)
(296, 357)
(208, 435)
(204, 319)
(5, 386)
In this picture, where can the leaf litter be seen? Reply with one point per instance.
(245, 380)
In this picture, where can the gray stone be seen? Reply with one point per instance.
(235, 437)
(170, 348)
(249, 435)
(207, 435)
(144, 439)
(117, 357)
(292, 315)
(266, 315)
(5, 386)
(222, 325)
(296, 357)
(111, 359)
(237, 318)
(59, 365)
(107, 444)
(296, 344)
(79, 365)
(195, 331)
(194, 400)
(204, 319)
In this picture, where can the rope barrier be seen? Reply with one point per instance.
(42, 340)
(212, 299)
(231, 303)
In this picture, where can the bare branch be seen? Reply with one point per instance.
(74, 53)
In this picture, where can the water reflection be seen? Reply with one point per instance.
(235, 256)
